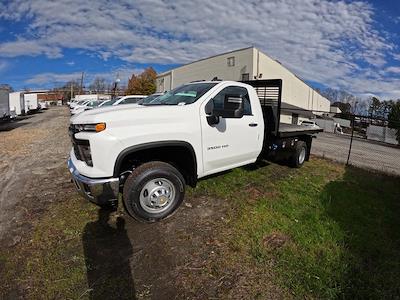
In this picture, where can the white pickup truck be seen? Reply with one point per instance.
(150, 152)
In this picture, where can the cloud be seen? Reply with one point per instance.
(70, 63)
(3, 65)
(336, 43)
(28, 47)
(393, 70)
(47, 79)
(396, 56)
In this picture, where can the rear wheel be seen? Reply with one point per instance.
(299, 154)
(153, 191)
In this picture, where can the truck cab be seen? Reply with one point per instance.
(150, 152)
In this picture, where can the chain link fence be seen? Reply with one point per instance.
(362, 141)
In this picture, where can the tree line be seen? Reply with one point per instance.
(372, 107)
(141, 84)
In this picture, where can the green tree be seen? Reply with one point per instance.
(394, 118)
(142, 84)
(374, 107)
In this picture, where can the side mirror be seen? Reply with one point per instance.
(209, 109)
(212, 118)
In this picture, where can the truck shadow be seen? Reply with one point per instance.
(370, 226)
(107, 253)
(8, 126)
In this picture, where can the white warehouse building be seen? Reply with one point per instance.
(299, 101)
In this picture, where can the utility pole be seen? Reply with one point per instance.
(72, 90)
(82, 82)
(117, 80)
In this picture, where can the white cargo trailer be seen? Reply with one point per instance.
(17, 103)
(4, 104)
(31, 102)
(251, 64)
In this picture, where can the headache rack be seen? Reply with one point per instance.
(269, 92)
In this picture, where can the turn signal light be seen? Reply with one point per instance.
(100, 127)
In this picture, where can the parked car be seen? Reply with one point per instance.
(75, 103)
(129, 99)
(309, 124)
(106, 103)
(150, 153)
(43, 105)
(150, 98)
(87, 105)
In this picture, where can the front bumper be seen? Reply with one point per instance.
(100, 191)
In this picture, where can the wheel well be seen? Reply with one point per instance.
(181, 156)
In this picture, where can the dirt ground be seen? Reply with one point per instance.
(180, 258)
(33, 154)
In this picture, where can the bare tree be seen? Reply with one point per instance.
(98, 85)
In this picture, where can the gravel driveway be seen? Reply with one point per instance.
(33, 154)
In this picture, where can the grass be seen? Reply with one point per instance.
(330, 231)
(325, 231)
(51, 265)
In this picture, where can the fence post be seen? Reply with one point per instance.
(351, 140)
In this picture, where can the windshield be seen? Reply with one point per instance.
(185, 94)
(94, 103)
(149, 98)
(110, 102)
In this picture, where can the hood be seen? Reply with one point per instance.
(131, 112)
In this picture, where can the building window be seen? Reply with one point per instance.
(231, 61)
(245, 77)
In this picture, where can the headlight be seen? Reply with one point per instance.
(98, 127)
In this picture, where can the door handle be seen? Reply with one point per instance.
(253, 124)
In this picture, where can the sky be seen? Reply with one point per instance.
(349, 45)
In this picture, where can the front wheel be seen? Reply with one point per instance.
(153, 191)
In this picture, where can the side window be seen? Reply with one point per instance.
(93, 103)
(233, 90)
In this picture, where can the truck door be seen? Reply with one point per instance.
(233, 141)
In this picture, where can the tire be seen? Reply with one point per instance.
(153, 191)
(299, 155)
